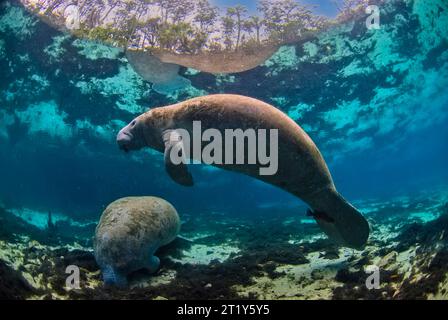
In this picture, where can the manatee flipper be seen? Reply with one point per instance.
(113, 277)
(174, 147)
(343, 224)
(153, 265)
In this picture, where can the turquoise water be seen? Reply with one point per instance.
(374, 102)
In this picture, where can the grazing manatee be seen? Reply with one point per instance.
(302, 170)
(129, 233)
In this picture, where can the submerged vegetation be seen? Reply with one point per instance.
(233, 258)
(184, 26)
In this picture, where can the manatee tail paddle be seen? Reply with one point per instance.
(342, 222)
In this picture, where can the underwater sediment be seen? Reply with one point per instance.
(280, 257)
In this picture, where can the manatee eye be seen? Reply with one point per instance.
(133, 123)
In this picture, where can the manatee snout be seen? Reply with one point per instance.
(128, 138)
(124, 139)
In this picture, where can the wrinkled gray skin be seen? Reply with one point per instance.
(130, 231)
(302, 170)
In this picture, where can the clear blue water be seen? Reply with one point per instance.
(375, 103)
(386, 134)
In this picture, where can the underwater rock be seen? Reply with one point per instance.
(388, 262)
(429, 268)
(355, 287)
(426, 234)
(317, 274)
(428, 280)
(12, 285)
(330, 254)
(129, 233)
(80, 258)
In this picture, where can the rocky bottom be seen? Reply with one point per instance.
(280, 254)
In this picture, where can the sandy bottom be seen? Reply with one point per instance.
(283, 256)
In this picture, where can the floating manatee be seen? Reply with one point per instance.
(129, 233)
(302, 170)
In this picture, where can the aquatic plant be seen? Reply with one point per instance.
(12, 284)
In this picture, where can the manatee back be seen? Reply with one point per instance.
(131, 229)
(301, 167)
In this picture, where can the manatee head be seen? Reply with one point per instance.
(143, 131)
(132, 136)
